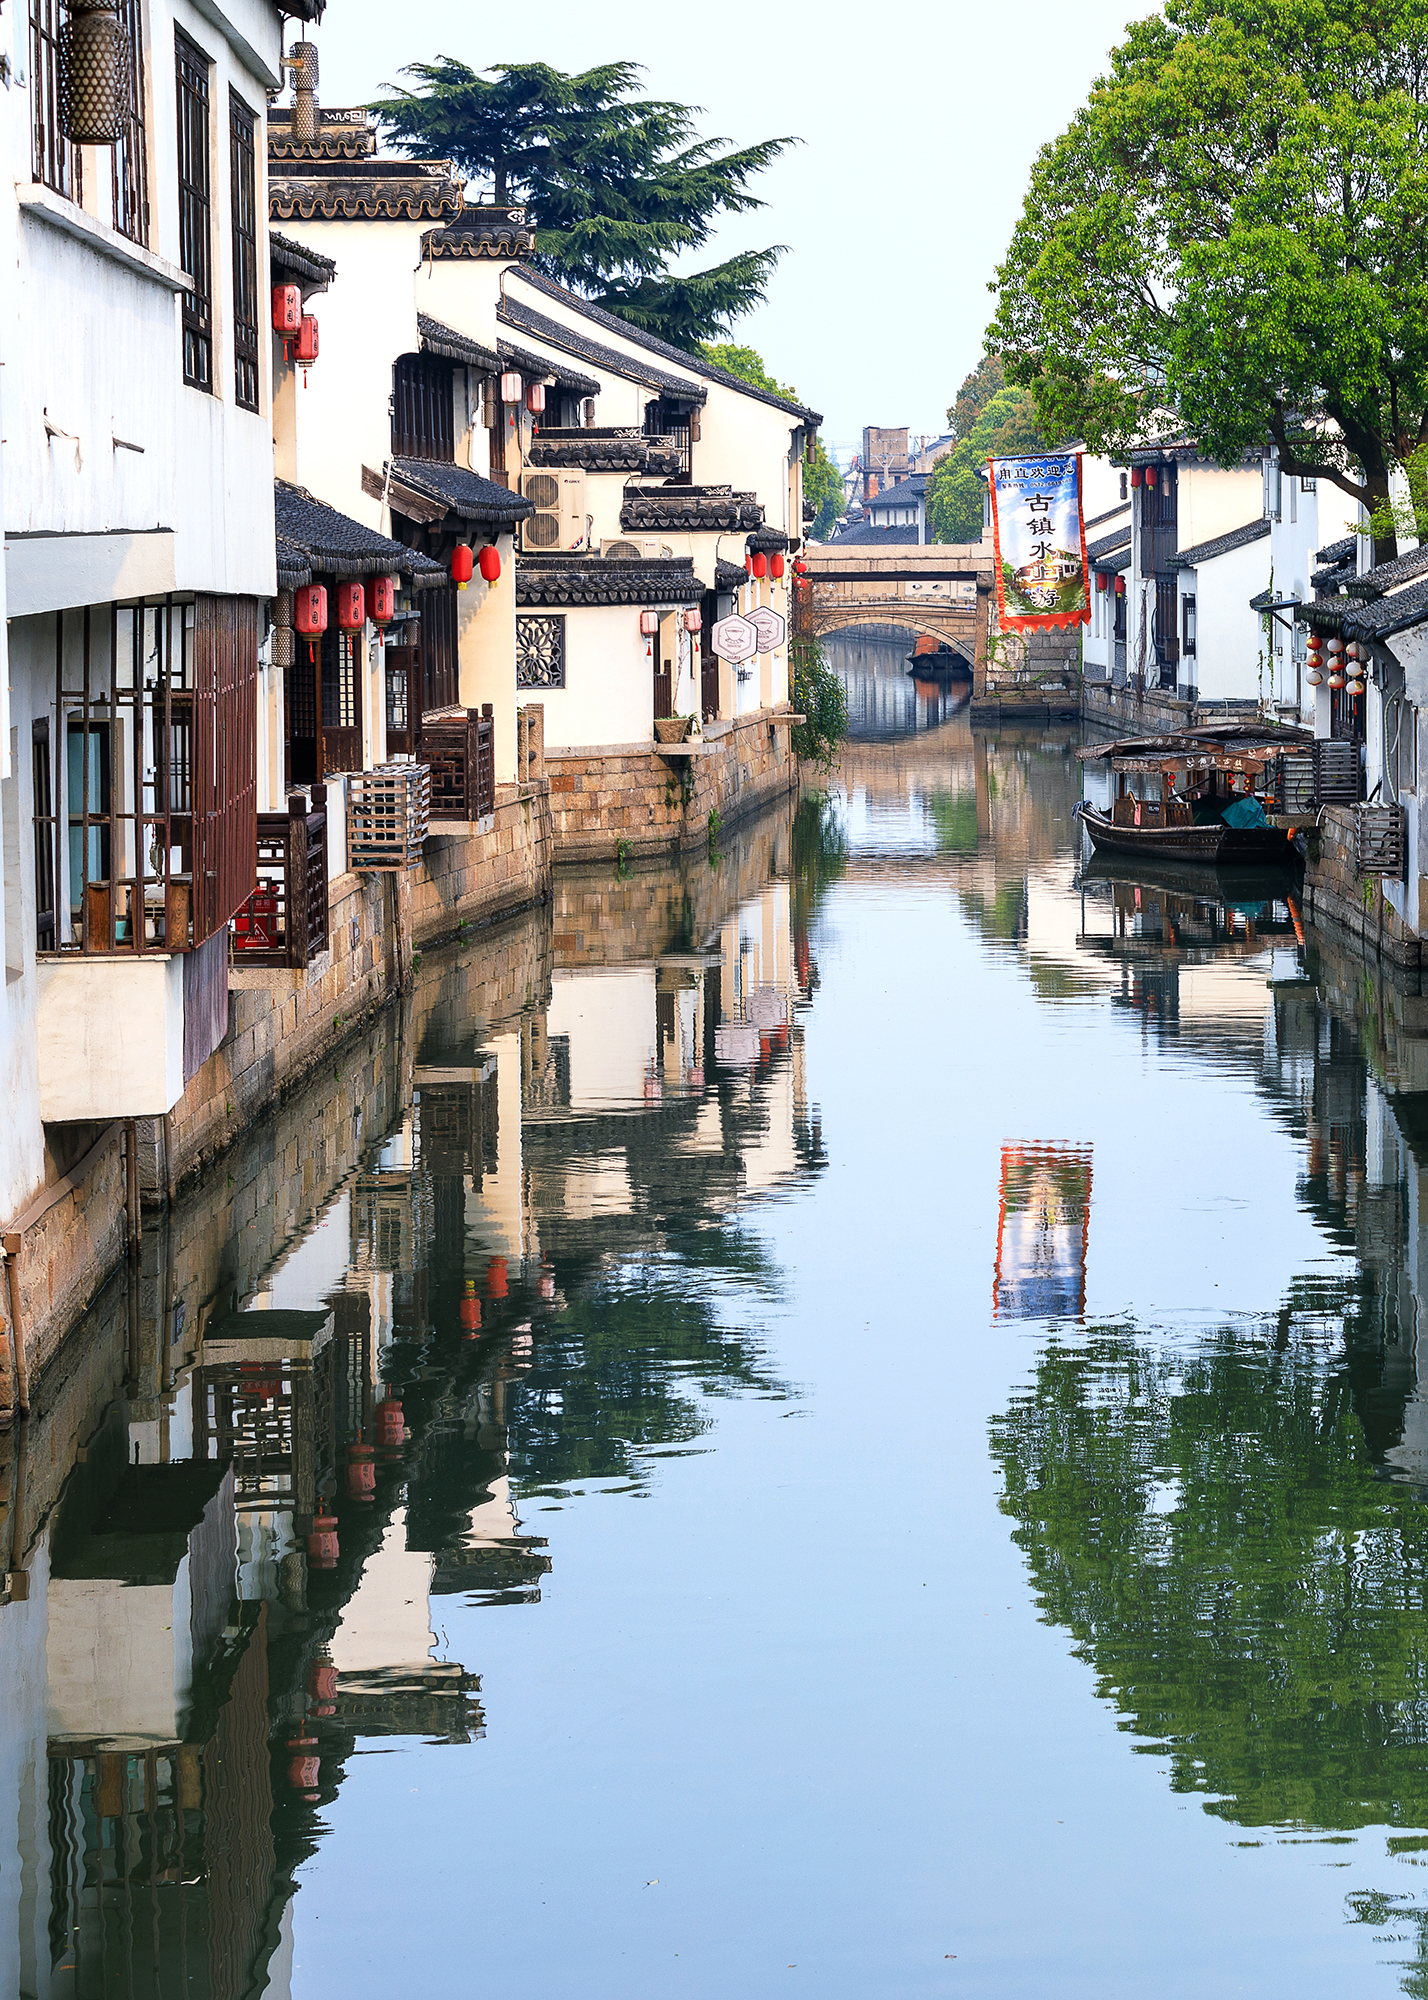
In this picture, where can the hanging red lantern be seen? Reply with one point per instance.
(310, 610)
(776, 565)
(800, 567)
(1120, 586)
(496, 1286)
(322, 1550)
(287, 309)
(381, 600)
(490, 560)
(306, 346)
(470, 1311)
(748, 565)
(1135, 475)
(693, 619)
(1150, 475)
(649, 624)
(535, 398)
(759, 564)
(351, 607)
(463, 564)
(1103, 581)
(511, 386)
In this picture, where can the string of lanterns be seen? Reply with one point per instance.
(1347, 664)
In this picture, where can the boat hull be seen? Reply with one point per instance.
(1218, 846)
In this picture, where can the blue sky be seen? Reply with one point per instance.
(919, 124)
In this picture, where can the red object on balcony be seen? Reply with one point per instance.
(381, 600)
(759, 564)
(496, 1287)
(255, 928)
(776, 564)
(310, 610)
(287, 309)
(463, 564)
(305, 347)
(490, 561)
(351, 607)
(1135, 475)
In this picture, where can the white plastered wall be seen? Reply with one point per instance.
(608, 695)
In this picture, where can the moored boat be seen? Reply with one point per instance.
(1215, 844)
(1206, 796)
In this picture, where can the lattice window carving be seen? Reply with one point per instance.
(540, 652)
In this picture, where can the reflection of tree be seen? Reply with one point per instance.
(1397, 1920)
(954, 814)
(819, 859)
(1210, 1529)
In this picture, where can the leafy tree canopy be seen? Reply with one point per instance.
(822, 481)
(616, 185)
(1231, 233)
(1000, 422)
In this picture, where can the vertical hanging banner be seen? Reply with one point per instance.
(1040, 542)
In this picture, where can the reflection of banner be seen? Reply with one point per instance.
(1040, 541)
(1043, 1218)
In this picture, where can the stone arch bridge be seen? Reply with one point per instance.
(943, 590)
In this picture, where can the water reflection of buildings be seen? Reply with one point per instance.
(887, 701)
(310, 1411)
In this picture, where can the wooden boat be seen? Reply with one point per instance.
(1215, 844)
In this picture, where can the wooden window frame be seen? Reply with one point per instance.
(129, 155)
(423, 408)
(195, 191)
(54, 162)
(1189, 624)
(243, 171)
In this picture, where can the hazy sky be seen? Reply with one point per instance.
(918, 122)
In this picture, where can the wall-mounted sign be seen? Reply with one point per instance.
(736, 638)
(770, 627)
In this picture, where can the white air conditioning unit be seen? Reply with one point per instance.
(559, 520)
(631, 548)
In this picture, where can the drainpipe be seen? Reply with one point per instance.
(19, 1361)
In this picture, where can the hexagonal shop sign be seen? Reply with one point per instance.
(736, 638)
(770, 627)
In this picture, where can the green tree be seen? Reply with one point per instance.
(986, 380)
(616, 185)
(822, 481)
(1005, 424)
(1230, 236)
(819, 696)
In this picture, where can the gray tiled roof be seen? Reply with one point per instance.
(314, 539)
(614, 324)
(907, 492)
(1099, 520)
(542, 365)
(462, 492)
(865, 535)
(688, 507)
(453, 346)
(1380, 619)
(296, 260)
(1341, 551)
(1220, 545)
(769, 541)
(1108, 544)
(1387, 576)
(569, 580)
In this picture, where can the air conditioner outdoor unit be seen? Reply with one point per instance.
(559, 520)
(630, 548)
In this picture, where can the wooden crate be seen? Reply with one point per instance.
(388, 811)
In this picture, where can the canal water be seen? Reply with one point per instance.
(843, 1417)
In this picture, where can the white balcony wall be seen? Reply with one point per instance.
(109, 1036)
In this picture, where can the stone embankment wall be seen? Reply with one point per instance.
(629, 797)
(1031, 675)
(1338, 898)
(1132, 711)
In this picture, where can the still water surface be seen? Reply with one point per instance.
(909, 1478)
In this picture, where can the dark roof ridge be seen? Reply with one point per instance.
(1221, 545)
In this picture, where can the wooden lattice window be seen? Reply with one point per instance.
(540, 651)
(53, 160)
(423, 418)
(245, 252)
(195, 210)
(129, 153)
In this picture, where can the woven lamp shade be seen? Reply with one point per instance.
(96, 74)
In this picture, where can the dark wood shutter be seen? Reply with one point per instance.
(130, 170)
(225, 759)
(403, 672)
(423, 418)
(341, 701)
(195, 210)
(440, 674)
(243, 174)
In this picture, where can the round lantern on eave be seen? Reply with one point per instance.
(1314, 677)
(310, 610)
(381, 597)
(511, 386)
(463, 565)
(775, 564)
(490, 563)
(351, 607)
(1336, 678)
(535, 398)
(758, 563)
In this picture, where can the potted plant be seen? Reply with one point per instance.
(673, 728)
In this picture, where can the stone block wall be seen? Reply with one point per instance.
(478, 878)
(1338, 898)
(631, 797)
(71, 1237)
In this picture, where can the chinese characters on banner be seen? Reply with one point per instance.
(1043, 1222)
(1040, 542)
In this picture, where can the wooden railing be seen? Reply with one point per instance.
(458, 747)
(285, 920)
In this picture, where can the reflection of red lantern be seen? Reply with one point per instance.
(322, 1542)
(391, 1427)
(303, 1765)
(490, 563)
(470, 1311)
(496, 1286)
(381, 600)
(775, 565)
(361, 1472)
(462, 565)
(287, 309)
(322, 1680)
(351, 607)
(310, 610)
(758, 564)
(546, 1286)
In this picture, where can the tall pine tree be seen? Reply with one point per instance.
(616, 185)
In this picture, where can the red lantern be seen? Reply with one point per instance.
(1150, 475)
(800, 567)
(759, 564)
(490, 563)
(649, 624)
(351, 607)
(776, 565)
(463, 564)
(511, 386)
(1135, 475)
(287, 309)
(1120, 586)
(310, 610)
(535, 398)
(470, 1311)
(1103, 582)
(496, 1286)
(748, 565)
(693, 619)
(381, 600)
(306, 349)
